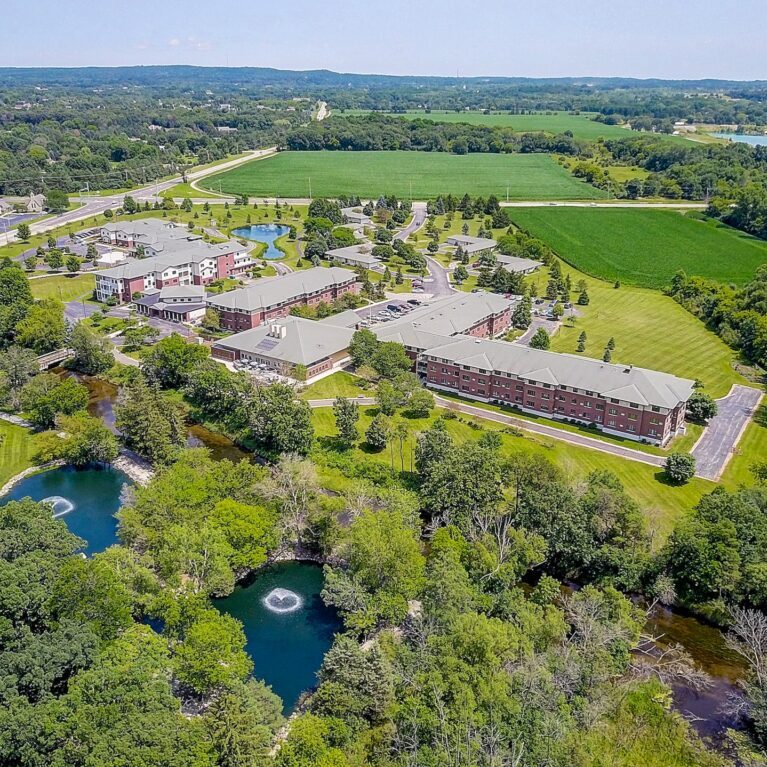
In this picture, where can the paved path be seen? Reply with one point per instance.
(718, 442)
(440, 279)
(418, 220)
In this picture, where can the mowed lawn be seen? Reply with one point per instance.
(644, 247)
(650, 330)
(419, 175)
(581, 125)
(16, 450)
(662, 504)
(64, 287)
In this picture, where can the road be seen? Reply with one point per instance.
(418, 220)
(719, 441)
(93, 206)
(439, 284)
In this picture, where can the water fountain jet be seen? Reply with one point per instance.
(282, 601)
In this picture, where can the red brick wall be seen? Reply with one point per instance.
(135, 285)
(224, 265)
(555, 402)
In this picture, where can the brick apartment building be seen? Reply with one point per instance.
(270, 300)
(623, 400)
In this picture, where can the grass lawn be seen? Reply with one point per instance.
(644, 247)
(63, 286)
(370, 174)
(650, 330)
(751, 448)
(16, 450)
(662, 504)
(187, 190)
(340, 384)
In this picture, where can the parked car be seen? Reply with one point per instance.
(414, 302)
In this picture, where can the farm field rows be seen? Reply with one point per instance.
(419, 175)
(644, 247)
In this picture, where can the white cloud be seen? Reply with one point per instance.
(174, 42)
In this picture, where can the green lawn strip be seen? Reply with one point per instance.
(63, 286)
(644, 247)
(662, 504)
(17, 446)
(751, 448)
(650, 330)
(340, 384)
(422, 174)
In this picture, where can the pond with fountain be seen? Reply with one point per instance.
(287, 625)
(86, 499)
(265, 233)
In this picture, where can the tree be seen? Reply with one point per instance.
(150, 423)
(78, 440)
(54, 258)
(460, 275)
(391, 358)
(362, 347)
(521, 316)
(72, 263)
(378, 433)
(420, 403)
(701, 407)
(56, 200)
(46, 396)
(540, 339)
(611, 344)
(680, 467)
(30, 263)
(169, 362)
(388, 398)
(582, 342)
(212, 655)
(212, 320)
(43, 329)
(23, 232)
(18, 365)
(346, 413)
(607, 355)
(583, 298)
(280, 422)
(92, 353)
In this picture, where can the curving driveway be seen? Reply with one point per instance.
(718, 442)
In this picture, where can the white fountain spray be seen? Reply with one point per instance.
(282, 601)
(59, 505)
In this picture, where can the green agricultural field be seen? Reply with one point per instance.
(650, 330)
(644, 247)
(581, 125)
(417, 174)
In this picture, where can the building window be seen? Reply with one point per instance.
(613, 411)
(611, 422)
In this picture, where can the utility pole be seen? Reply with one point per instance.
(507, 191)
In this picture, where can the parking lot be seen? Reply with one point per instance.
(387, 311)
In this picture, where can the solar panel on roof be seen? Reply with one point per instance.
(266, 344)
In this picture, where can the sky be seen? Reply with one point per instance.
(671, 39)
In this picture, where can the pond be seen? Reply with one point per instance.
(86, 499)
(266, 233)
(743, 138)
(288, 627)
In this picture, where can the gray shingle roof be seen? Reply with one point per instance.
(282, 289)
(305, 343)
(621, 382)
(361, 253)
(516, 264)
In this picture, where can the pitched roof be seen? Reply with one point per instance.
(282, 289)
(305, 342)
(361, 253)
(516, 264)
(621, 382)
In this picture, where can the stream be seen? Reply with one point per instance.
(704, 642)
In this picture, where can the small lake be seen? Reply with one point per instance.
(266, 233)
(86, 499)
(743, 138)
(287, 625)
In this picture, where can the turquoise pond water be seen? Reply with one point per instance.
(266, 233)
(288, 627)
(86, 500)
(743, 139)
